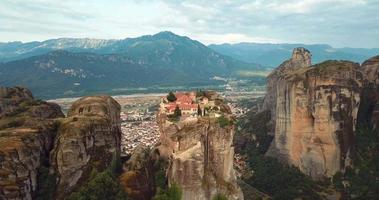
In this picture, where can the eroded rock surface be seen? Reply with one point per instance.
(300, 58)
(27, 132)
(369, 107)
(139, 174)
(201, 154)
(316, 112)
(87, 139)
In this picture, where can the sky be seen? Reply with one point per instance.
(340, 23)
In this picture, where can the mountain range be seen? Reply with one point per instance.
(69, 67)
(271, 55)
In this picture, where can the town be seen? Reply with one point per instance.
(138, 112)
(139, 125)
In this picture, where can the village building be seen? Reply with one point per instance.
(187, 103)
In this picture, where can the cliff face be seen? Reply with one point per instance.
(11, 98)
(35, 135)
(300, 58)
(316, 112)
(200, 155)
(87, 139)
(369, 107)
(27, 132)
(139, 174)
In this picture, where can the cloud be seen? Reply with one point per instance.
(336, 22)
(231, 38)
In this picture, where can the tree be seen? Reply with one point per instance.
(174, 192)
(171, 97)
(223, 121)
(220, 197)
(177, 112)
(361, 181)
(101, 185)
(200, 93)
(199, 113)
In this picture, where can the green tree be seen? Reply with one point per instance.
(223, 121)
(200, 93)
(174, 192)
(199, 111)
(220, 197)
(101, 185)
(361, 182)
(171, 97)
(177, 112)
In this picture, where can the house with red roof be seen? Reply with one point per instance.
(186, 102)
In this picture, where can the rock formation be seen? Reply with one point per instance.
(369, 107)
(34, 135)
(27, 132)
(315, 114)
(139, 174)
(300, 58)
(200, 155)
(87, 139)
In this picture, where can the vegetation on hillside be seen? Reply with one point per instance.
(220, 197)
(46, 184)
(362, 181)
(269, 175)
(278, 180)
(102, 185)
(224, 121)
(174, 192)
(138, 62)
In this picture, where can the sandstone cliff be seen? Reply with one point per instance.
(300, 58)
(316, 111)
(140, 173)
(87, 139)
(369, 107)
(27, 132)
(200, 155)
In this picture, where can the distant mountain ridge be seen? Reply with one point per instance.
(73, 66)
(100, 65)
(273, 54)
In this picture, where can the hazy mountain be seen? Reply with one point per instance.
(161, 59)
(18, 50)
(164, 48)
(274, 54)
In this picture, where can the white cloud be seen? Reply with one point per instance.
(231, 38)
(337, 22)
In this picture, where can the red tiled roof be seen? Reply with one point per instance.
(172, 107)
(184, 99)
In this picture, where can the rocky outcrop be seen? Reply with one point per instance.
(369, 107)
(316, 112)
(200, 155)
(300, 58)
(139, 175)
(11, 98)
(87, 139)
(27, 132)
(34, 135)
